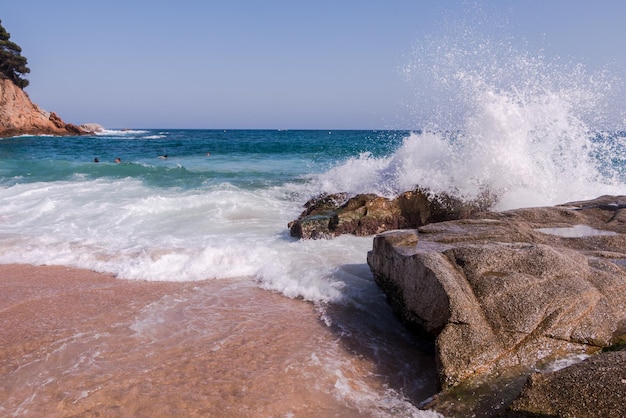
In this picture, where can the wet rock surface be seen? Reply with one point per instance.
(328, 216)
(594, 388)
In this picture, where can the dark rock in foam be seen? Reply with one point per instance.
(328, 216)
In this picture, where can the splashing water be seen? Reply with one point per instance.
(526, 130)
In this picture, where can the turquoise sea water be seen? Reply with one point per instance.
(219, 203)
(244, 158)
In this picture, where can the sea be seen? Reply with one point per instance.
(185, 205)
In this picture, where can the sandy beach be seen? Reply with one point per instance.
(79, 343)
(75, 342)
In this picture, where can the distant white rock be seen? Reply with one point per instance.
(92, 127)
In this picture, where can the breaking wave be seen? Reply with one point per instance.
(524, 129)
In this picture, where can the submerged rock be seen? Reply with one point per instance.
(498, 294)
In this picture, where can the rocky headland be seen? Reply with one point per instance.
(20, 116)
(505, 296)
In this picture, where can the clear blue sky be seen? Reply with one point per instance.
(271, 64)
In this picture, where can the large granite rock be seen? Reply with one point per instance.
(328, 216)
(511, 290)
(20, 116)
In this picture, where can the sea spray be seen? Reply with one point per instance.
(495, 120)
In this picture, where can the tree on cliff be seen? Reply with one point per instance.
(12, 63)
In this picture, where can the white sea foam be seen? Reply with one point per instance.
(123, 227)
(121, 132)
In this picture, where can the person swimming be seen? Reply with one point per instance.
(118, 160)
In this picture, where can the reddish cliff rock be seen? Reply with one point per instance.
(20, 116)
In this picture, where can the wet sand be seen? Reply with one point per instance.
(80, 343)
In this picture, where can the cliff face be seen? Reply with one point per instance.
(20, 116)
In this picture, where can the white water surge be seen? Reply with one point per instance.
(497, 121)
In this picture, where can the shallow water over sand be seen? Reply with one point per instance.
(74, 342)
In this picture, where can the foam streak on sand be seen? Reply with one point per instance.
(77, 342)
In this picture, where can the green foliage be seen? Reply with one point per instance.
(12, 63)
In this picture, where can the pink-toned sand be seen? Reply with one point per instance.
(79, 343)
